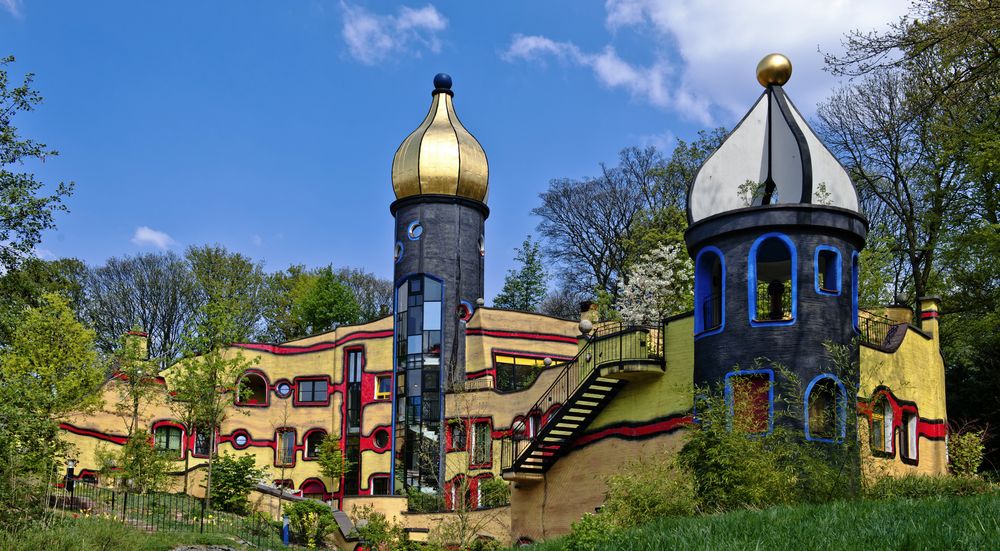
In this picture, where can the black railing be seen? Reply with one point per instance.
(611, 343)
(156, 511)
(711, 312)
(877, 330)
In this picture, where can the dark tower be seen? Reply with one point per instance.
(440, 177)
(775, 232)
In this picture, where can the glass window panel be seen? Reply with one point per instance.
(432, 343)
(413, 387)
(401, 301)
(414, 344)
(432, 379)
(432, 316)
(432, 289)
(319, 391)
(414, 320)
(415, 285)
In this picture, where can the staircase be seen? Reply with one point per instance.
(614, 354)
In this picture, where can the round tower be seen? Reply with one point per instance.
(775, 231)
(440, 176)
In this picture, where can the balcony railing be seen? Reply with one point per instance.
(876, 330)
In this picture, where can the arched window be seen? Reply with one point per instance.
(750, 400)
(168, 438)
(828, 273)
(709, 291)
(826, 409)
(313, 440)
(314, 488)
(881, 429)
(854, 291)
(772, 283)
(251, 390)
(908, 436)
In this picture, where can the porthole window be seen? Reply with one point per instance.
(415, 230)
(381, 438)
(482, 245)
(240, 441)
(283, 390)
(397, 252)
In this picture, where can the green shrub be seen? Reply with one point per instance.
(310, 521)
(966, 447)
(495, 492)
(91, 534)
(376, 530)
(590, 533)
(649, 488)
(422, 502)
(919, 487)
(233, 478)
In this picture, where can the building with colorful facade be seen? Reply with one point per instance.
(446, 393)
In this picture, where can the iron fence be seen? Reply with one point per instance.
(163, 512)
(877, 330)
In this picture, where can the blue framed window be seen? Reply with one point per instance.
(772, 282)
(828, 271)
(415, 230)
(854, 291)
(750, 400)
(825, 407)
(709, 292)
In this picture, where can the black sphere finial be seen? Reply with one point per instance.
(442, 81)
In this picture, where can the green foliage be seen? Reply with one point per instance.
(966, 448)
(922, 487)
(376, 530)
(135, 381)
(310, 521)
(590, 533)
(24, 213)
(326, 304)
(24, 287)
(495, 492)
(422, 502)
(524, 287)
(93, 534)
(649, 488)
(233, 478)
(136, 466)
(333, 462)
(228, 288)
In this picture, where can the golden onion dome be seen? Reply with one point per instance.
(441, 157)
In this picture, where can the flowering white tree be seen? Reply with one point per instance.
(659, 285)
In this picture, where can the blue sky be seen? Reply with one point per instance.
(269, 127)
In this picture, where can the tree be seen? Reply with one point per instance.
(373, 294)
(49, 370)
(235, 478)
(228, 289)
(135, 381)
(137, 466)
(155, 292)
(327, 304)
(24, 287)
(284, 290)
(660, 285)
(524, 287)
(24, 212)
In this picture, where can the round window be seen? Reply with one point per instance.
(482, 245)
(283, 389)
(241, 440)
(415, 230)
(381, 438)
(397, 252)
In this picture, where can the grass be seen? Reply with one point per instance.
(910, 524)
(102, 535)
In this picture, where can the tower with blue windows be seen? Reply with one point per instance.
(775, 231)
(440, 177)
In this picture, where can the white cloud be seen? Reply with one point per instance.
(647, 83)
(13, 7)
(373, 37)
(717, 44)
(145, 236)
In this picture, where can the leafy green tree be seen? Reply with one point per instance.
(49, 370)
(137, 466)
(25, 212)
(235, 478)
(135, 381)
(228, 289)
(524, 287)
(373, 294)
(327, 304)
(333, 462)
(284, 290)
(24, 287)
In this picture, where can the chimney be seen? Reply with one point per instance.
(930, 316)
(141, 338)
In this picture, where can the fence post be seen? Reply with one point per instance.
(113, 501)
(124, 505)
(202, 516)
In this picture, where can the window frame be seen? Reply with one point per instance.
(306, 441)
(379, 477)
(699, 316)
(297, 400)
(887, 433)
(474, 459)
(380, 396)
(181, 434)
(855, 270)
(267, 389)
(838, 271)
(840, 427)
(213, 445)
(279, 435)
(752, 280)
(909, 436)
(731, 406)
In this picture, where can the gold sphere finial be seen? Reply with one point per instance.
(774, 69)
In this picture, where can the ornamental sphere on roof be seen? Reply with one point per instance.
(441, 157)
(774, 69)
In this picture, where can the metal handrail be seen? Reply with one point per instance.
(600, 350)
(876, 330)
